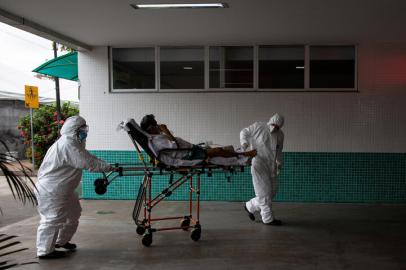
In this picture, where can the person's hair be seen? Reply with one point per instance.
(147, 121)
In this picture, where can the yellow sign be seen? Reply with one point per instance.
(31, 97)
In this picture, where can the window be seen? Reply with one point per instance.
(182, 68)
(234, 68)
(281, 67)
(133, 68)
(332, 67)
(231, 67)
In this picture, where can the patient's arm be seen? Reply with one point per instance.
(164, 129)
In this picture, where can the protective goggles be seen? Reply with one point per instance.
(84, 128)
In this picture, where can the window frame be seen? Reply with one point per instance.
(158, 64)
(254, 68)
(283, 89)
(255, 88)
(132, 90)
(307, 67)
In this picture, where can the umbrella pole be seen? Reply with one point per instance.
(58, 99)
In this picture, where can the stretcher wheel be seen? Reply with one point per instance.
(196, 234)
(140, 230)
(100, 186)
(99, 182)
(100, 190)
(147, 239)
(185, 224)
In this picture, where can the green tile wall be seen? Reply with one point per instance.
(307, 177)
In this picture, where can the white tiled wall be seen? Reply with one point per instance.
(373, 120)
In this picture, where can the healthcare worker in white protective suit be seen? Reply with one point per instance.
(59, 175)
(267, 139)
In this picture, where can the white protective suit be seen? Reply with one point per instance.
(59, 175)
(268, 142)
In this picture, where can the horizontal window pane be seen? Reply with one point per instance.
(332, 67)
(281, 67)
(133, 68)
(182, 68)
(231, 67)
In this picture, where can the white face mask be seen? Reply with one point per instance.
(273, 128)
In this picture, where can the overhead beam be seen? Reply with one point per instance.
(39, 30)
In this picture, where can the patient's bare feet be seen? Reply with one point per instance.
(251, 153)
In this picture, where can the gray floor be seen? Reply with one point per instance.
(315, 236)
(11, 210)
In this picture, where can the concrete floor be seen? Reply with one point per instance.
(11, 210)
(314, 236)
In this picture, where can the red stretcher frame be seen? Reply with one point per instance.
(145, 202)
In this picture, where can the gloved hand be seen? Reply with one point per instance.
(278, 170)
(112, 169)
(244, 146)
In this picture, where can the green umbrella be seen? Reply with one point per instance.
(65, 67)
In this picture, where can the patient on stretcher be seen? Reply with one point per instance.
(175, 151)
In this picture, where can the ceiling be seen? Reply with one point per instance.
(83, 24)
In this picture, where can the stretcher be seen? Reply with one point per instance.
(177, 176)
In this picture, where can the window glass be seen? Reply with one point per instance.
(133, 68)
(182, 68)
(332, 67)
(281, 67)
(231, 67)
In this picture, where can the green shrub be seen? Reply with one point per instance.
(46, 128)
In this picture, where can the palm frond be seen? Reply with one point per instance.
(18, 177)
(7, 237)
(4, 265)
(21, 185)
(11, 252)
(10, 247)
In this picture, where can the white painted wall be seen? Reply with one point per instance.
(372, 120)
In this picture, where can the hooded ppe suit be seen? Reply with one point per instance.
(59, 175)
(268, 141)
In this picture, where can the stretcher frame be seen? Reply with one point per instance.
(145, 201)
